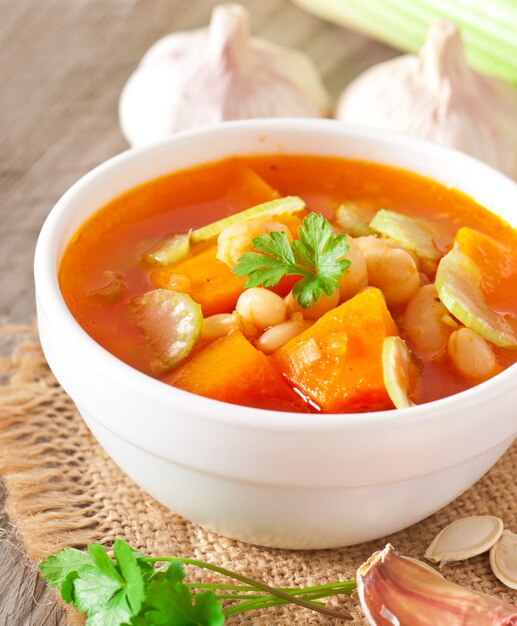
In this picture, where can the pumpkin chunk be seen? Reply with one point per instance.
(209, 282)
(230, 369)
(212, 284)
(343, 381)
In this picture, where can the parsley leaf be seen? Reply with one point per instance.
(57, 567)
(317, 256)
(135, 590)
(110, 592)
(170, 603)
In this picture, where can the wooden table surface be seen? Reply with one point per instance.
(62, 66)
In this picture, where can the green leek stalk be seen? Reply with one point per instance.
(488, 27)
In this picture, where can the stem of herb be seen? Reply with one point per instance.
(288, 598)
(269, 601)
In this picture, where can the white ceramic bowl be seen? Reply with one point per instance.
(277, 479)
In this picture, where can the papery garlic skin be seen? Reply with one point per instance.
(396, 591)
(436, 95)
(218, 73)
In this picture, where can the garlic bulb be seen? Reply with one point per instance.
(397, 591)
(438, 96)
(217, 73)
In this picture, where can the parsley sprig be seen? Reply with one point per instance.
(317, 256)
(135, 590)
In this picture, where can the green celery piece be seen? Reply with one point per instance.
(352, 218)
(281, 206)
(171, 322)
(487, 27)
(396, 360)
(408, 231)
(173, 248)
(458, 283)
(169, 250)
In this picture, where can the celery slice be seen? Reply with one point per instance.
(173, 248)
(352, 217)
(169, 250)
(281, 206)
(171, 323)
(396, 363)
(458, 283)
(409, 232)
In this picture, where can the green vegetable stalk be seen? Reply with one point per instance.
(135, 590)
(487, 27)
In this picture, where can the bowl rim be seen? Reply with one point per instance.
(51, 301)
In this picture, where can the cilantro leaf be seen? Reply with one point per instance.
(109, 592)
(132, 591)
(131, 571)
(115, 613)
(57, 567)
(317, 256)
(170, 603)
(93, 588)
(67, 587)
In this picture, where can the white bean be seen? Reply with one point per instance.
(219, 325)
(391, 269)
(237, 238)
(426, 322)
(316, 310)
(355, 277)
(277, 336)
(471, 355)
(261, 307)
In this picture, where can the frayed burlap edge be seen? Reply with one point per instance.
(40, 502)
(64, 491)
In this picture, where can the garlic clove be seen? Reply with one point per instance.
(503, 559)
(396, 591)
(438, 96)
(425, 566)
(214, 74)
(465, 538)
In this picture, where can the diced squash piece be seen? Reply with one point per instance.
(244, 187)
(497, 263)
(230, 369)
(338, 380)
(458, 283)
(212, 284)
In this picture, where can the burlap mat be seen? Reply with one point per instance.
(64, 491)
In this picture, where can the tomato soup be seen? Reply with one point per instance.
(409, 292)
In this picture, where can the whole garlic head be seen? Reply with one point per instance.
(217, 73)
(438, 96)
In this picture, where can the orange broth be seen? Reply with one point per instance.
(111, 242)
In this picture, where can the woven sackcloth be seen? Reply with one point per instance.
(64, 491)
